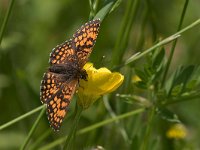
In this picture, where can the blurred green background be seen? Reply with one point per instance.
(36, 27)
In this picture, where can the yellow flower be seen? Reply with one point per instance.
(100, 81)
(177, 131)
(135, 79)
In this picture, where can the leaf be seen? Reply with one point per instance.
(177, 90)
(180, 78)
(104, 11)
(167, 115)
(135, 98)
(141, 84)
(184, 74)
(158, 58)
(192, 84)
(141, 75)
(195, 79)
(116, 4)
(148, 71)
(135, 142)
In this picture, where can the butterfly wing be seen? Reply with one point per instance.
(84, 40)
(49, 86)
(57, 95)
(80, 46)
(57, 106)
(62, 54)
(56, 89)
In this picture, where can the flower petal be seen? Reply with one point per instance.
(100, 81)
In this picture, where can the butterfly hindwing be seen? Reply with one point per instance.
(49, 86)
(57, 106)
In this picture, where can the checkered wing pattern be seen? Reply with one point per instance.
(84, 40)
(66, 63)
(57, 96)
(50, 85)
(62, 53)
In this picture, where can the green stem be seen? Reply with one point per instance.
(181, 99)
(5, 21)
(174, 43)
(94, 126)
(124, 33)
(96, 3)
(40, 139)
(161, 43)
(113, 115)
(32, 129)
(93, 8)
(140, 55)
(102, 123)
(152, 19)
(141, 39)
(70, 138)
(115, 5)
(21, 117)
(148, 130)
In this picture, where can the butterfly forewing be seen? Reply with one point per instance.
(62, 53)
(84, 40)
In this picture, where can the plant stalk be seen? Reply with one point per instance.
(5, 21)
(21, 117)
(32, 129)
(174, 43)
(71, 137)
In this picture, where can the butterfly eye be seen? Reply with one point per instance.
(84, 75)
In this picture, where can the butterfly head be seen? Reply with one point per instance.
(83, 74)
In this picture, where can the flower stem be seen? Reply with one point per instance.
(94, 126)
(5, 21)
(40, 139)
(190, 97)
(93, 8)
(71, 137)
(174, 43)
(161, 43)
(148, 130)
(32, 129)
(111, 120)
(124, 33)
(20, 117)
(113, 115)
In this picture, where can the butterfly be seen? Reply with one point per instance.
(66, 69)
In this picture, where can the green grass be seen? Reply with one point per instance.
(155, 41)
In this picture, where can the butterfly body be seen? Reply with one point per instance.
(69, 71)
(66, 69)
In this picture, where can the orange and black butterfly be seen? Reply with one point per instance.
(66, 68)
